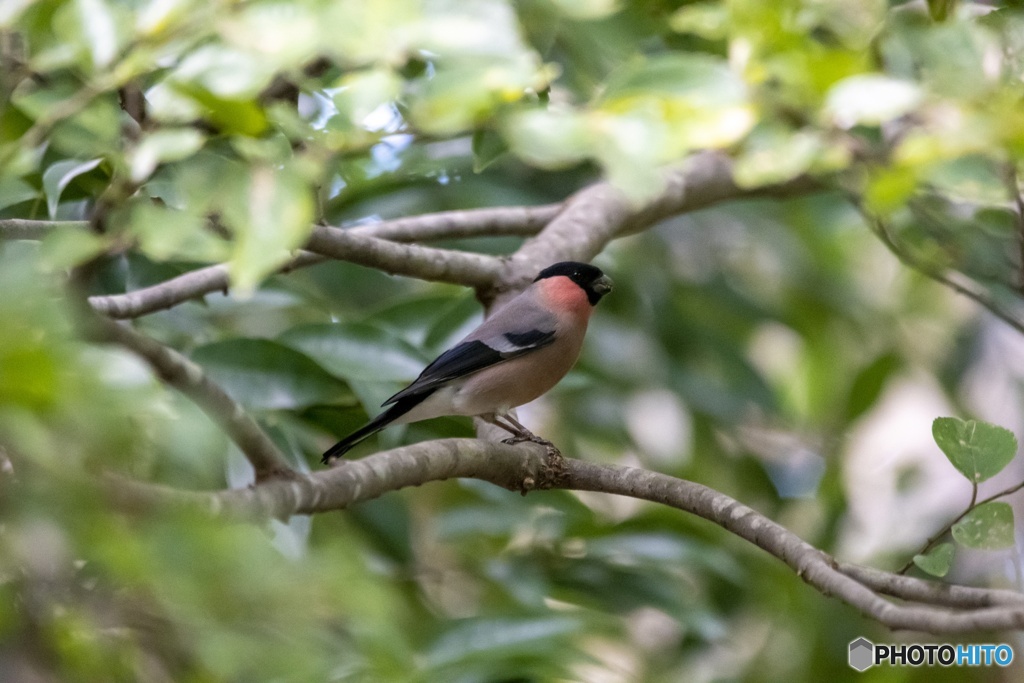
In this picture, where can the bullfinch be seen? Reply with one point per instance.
(513, 357)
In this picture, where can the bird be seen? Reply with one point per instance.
(517, 354)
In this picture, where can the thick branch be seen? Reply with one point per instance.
(577, 230)
(181, 373)
(597, 214)
(425, 263)
(519, 467)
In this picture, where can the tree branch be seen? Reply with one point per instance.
(515, 221)
(425, 263)
(932, 592)
(27, 229)
(522, 467)
(577, 230)
(187, 377)
(946, 529)
(597, 214)
(177, 290)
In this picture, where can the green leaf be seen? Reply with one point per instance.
(548, 138)
(166, 234)
(66, 247)
(937, 561)
(264, 375)
(868, 384)
(357, 95)
(99, 31)
(356, 350)
(979, 450)
(940, 9)
(703, 80)
(988, 527)
(165, 145)
(474, 638)
(488, 147)
(14, 191)
(709, 20)
(871, 99)
(224, 72)
(774, 154)
(587, 10)
(58, 176)
(270, 218)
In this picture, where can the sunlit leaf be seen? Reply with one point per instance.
(979, 450)
(587, 9)
(706, 19)
(59, 176)
(548, 138)
(937, 561)
(701, 80)
(774, 155)
(360, 94)
(99, 30)
(162, 146)
(273, 217)
(871, 99)
(224, 72)
(988, 527)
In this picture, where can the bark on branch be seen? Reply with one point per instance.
(576, 230)
(928, 606)
(514, 221)
(598, 214)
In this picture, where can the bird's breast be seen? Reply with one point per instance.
(517, 381)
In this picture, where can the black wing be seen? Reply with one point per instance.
(472, 356)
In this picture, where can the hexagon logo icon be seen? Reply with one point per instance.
(862, 654)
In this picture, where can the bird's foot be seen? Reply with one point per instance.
(531, 437)
(552, 473)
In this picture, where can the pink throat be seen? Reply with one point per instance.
(566, 296)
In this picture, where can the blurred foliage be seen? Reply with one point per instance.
(741, 348)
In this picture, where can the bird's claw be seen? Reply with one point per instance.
(533, 438)
(552, 473)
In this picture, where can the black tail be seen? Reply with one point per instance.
(373, 426)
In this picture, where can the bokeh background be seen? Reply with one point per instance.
(776, 350)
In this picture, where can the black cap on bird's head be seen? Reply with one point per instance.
(590, 278)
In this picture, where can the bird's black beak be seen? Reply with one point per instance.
(602, 285)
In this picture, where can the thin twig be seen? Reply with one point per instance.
(425, 263)
(515, 221)
(946, 529)
(931, 592)
(878, 226)
(27, 229)
(187, 377)
(1013, 189)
